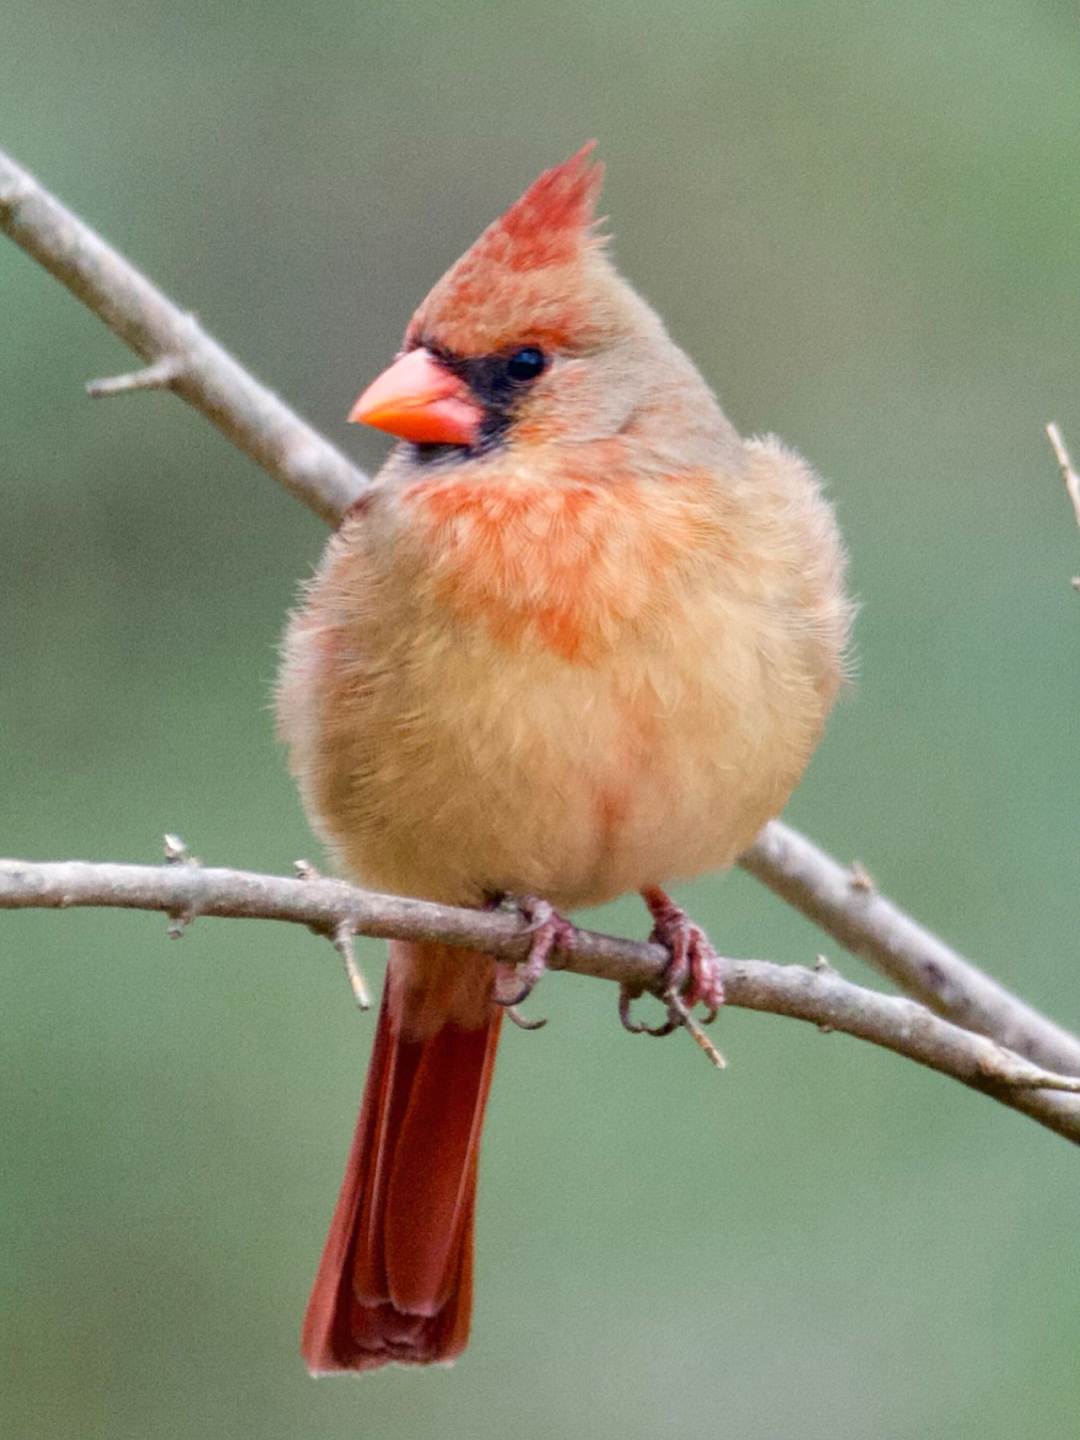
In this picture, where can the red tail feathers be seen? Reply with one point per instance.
(395, 1279)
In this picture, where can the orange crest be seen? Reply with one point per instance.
(551, 222)
(522, 281)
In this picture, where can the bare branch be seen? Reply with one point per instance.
(255, 420)
(180, 355)
(851, 910)
(819, 997)
(1069, 475)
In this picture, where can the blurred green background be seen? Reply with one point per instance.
(861, 219)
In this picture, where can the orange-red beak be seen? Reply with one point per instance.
(419, 399)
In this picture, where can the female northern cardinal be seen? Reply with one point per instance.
(577, 638)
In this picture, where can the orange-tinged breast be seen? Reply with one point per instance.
(565, 566)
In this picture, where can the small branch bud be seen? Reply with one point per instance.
(860, 878)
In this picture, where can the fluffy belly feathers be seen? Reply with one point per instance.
(455, 751)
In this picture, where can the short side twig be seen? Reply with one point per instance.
(342, 936)
(163, 374)
(255, 420)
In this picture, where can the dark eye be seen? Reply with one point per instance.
(525, 364)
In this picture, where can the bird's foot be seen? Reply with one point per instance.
(515, 983)
(692, 976)
(694, 970)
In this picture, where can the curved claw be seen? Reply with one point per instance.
(711, 1012)
(504, 975)
(626, 999)
(523, 1024)
(547, 930)
(692, 976)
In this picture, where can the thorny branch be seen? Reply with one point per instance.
(329, 907)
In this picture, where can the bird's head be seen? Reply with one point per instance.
(531, 335)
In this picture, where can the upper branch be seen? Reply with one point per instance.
(187, 359)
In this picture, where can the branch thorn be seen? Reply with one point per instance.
(162, 374)
(179, 920)
(859, 878)
(176, 852)
(342, 938)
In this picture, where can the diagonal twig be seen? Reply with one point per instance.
(202, 372)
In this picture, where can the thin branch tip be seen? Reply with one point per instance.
(1068, 474)
(694, 1028)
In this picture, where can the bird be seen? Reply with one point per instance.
(576, 639)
